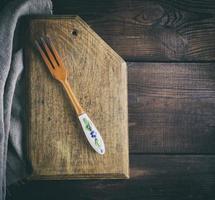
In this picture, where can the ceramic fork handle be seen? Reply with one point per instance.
(92, 134)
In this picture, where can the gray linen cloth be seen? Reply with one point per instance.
(12, 30)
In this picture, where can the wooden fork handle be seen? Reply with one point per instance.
(79, 110)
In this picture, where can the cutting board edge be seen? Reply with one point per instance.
(80, 176)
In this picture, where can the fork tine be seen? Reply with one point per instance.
(49, 53)
(45, 59)
(57, 56)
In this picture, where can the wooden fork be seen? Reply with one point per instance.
(56, 67)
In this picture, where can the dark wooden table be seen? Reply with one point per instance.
(170, 50)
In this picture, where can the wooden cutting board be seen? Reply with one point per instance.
(57, 147)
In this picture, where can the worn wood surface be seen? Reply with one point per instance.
(56, 144)
(171, 107)
(150, 30)
(153, 177)
(177, 161)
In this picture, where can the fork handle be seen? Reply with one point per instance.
(79, 110)
(91, 132)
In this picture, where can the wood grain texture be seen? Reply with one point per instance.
(150, 30)
(57, 146)
(154, 177)
(171, 107)
(153, 30)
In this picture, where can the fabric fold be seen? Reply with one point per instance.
(12, 94)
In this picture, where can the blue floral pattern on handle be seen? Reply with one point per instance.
(93, 133)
